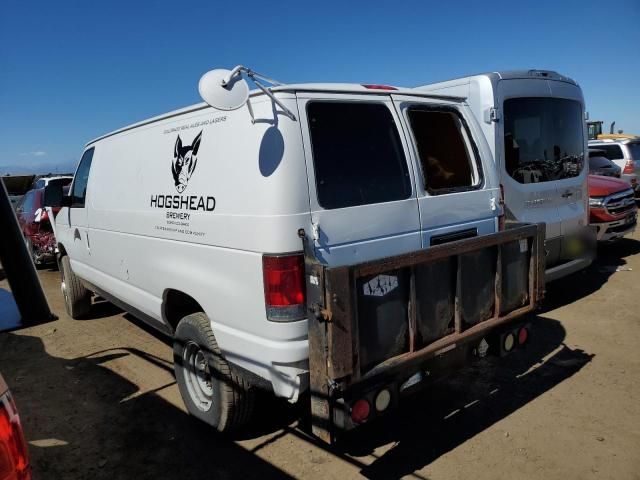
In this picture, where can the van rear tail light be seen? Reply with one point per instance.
(284, 287)
(629, 167)
(14, 459)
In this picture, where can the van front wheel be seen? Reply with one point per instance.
(210, 390)
(77, 299)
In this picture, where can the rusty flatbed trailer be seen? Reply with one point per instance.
(378, 329)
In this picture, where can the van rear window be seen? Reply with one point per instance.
(634, 150)
(612, 152)
(543, 139)
(357, 154)
(445, 150)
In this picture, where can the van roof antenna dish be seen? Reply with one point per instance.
(227, 90)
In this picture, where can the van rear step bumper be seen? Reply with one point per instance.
(374, 322)
(388, 390)
(564, 269)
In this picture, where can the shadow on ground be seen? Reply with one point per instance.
(95, 427)
(452, 411)
(611, 256)
(99, 428)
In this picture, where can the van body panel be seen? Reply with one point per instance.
(362, 232)
(446, 213)
(210, 247)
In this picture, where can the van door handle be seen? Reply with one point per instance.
(452, 237)
(567, 194)
(76, 234)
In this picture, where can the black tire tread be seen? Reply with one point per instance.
(79, 297)
(237, 397)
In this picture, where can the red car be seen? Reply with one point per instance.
(612, 208)
(36, 226)
(14, 457)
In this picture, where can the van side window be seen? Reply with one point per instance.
(79, 188)
(357, 154)
(446, 153)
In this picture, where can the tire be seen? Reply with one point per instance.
(211, 391)
(77, 299)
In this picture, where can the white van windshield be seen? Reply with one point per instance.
(543, 139)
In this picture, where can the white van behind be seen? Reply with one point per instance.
(534, 123)
(192, 220)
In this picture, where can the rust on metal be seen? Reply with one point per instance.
(335, 350)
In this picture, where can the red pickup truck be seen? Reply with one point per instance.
(612, 207)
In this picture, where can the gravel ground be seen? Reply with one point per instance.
(98, 400)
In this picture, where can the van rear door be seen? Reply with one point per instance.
(361, 186)
(542, 135)
(570, 130)
(457, 197)
(527, 157)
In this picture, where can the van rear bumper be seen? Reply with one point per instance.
(282, 365)
(569, 254)
(567, 268)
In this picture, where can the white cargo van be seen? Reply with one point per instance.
(534, 123)
(192, 221)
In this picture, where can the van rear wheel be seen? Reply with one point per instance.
(211, 391)
(77, 299)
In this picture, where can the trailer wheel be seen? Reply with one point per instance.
(77, 299)
(211, 391)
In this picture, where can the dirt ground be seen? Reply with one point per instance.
(98, 401)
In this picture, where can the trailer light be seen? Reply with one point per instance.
(509, 342)
(383, 400)
(360, 411)
(523, 335)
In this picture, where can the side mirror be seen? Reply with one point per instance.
(53, 195)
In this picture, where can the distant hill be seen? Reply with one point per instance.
(37, 168)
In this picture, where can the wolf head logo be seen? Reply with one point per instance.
(184, 162)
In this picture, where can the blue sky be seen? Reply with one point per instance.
(72, 70)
